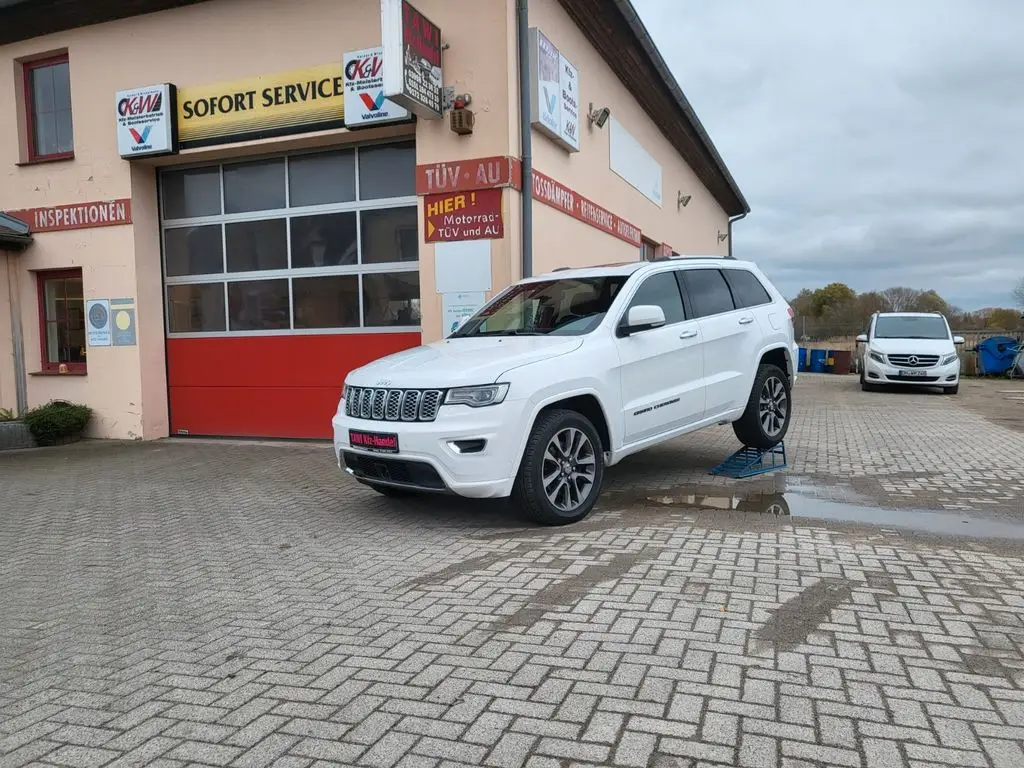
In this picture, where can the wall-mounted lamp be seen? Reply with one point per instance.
(683, 200)
(598, 117)
(461, 120)
(722, 236)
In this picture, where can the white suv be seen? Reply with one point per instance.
(915, 348)
(562, 375)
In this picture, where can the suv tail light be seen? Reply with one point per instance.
(791, 313)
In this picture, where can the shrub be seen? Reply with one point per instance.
(6, 414)
(57, 422)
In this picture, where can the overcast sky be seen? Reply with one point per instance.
(879, 142)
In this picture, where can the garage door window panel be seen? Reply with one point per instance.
(315, 242)
(196, 308)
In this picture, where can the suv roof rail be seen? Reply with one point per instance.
(681, 256)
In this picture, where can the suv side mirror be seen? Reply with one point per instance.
(642, 317)
(862, 338)
(958, 340)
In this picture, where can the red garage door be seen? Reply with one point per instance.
(282, 275)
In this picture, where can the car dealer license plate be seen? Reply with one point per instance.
(373, 441)
(913, 374)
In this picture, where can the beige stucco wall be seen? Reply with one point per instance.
(693, 229)
(223, 40)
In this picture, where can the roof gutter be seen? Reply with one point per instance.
(637, 27)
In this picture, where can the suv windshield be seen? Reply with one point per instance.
(928, 327)
(569, 307)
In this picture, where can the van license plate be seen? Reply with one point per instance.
(373, 441)
(913, 374)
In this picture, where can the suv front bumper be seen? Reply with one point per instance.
(429, 458)
(937, 376)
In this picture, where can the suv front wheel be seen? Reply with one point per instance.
(765, 421)
(562, 469)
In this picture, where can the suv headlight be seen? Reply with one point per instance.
(877, 356)
(476, 397)
(949, 359)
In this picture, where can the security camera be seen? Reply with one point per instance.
(599, 117)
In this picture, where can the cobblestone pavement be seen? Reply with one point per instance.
(204, 603)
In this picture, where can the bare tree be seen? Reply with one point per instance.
(901, 299)
(1018, 293)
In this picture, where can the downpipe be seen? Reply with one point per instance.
(525, 136)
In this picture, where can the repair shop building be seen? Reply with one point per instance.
(214, 209)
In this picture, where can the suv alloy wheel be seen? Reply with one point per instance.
(562, 469)
(765, 421)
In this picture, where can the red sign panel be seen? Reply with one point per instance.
(57, 218)
(557, 195)
(466, 175)
(463, 216)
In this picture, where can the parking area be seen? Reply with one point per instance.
(220, 603)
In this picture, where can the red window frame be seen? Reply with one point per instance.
(30, 117)
(42, 278)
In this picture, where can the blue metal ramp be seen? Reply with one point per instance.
(747, 462)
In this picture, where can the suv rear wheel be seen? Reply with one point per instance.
(765, 422)
(562, 469)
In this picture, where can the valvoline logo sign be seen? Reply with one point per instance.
(365, 102)
(145, 121)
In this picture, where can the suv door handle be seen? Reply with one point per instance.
(688, 334)
(746, 320)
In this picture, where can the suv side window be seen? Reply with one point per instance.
(747, 290)
(661, 290)
(709, 293)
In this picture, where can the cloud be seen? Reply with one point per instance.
(879, 143)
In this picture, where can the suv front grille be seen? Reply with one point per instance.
(914, 361)
(393, 404)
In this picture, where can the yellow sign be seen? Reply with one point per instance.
(301, 100)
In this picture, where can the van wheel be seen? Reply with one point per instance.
(560, 476)
(951, 390)
(765, 421)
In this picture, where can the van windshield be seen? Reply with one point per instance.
(569, 307)
(928, 327)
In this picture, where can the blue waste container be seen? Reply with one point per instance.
(818, 358)
(803, 359)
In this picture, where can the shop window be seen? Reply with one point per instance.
(391, 299)
(326, 302)
(322, 179)
(196, 308)
(257, 245)
(324, 241)
(648, 250)
(48, 108)
(194, 251)
(191, 193)
(389, 235)
(387, 170)
(257, 186)
(62, 320)
(258, 305)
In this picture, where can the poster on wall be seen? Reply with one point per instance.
(412, 58)
(122, 317)
(146, 124)
(459, 306)
(97, 315)
(365, 103)
(554, 93)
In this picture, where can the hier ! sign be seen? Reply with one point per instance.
(463, 216)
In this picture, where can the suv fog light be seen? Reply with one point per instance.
(467, 446)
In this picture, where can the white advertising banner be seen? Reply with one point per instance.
(146, 121)
(365, 103)
(554, 93)
(632, 162)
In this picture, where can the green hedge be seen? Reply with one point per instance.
(57, 422)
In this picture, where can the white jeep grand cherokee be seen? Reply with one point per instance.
(562, 375)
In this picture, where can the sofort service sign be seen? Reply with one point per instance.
(412, 58)
(365, 103)
(145, 121)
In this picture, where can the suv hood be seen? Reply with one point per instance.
(913, 346)
(460, 362)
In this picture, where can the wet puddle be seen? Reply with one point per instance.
(796, 505)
